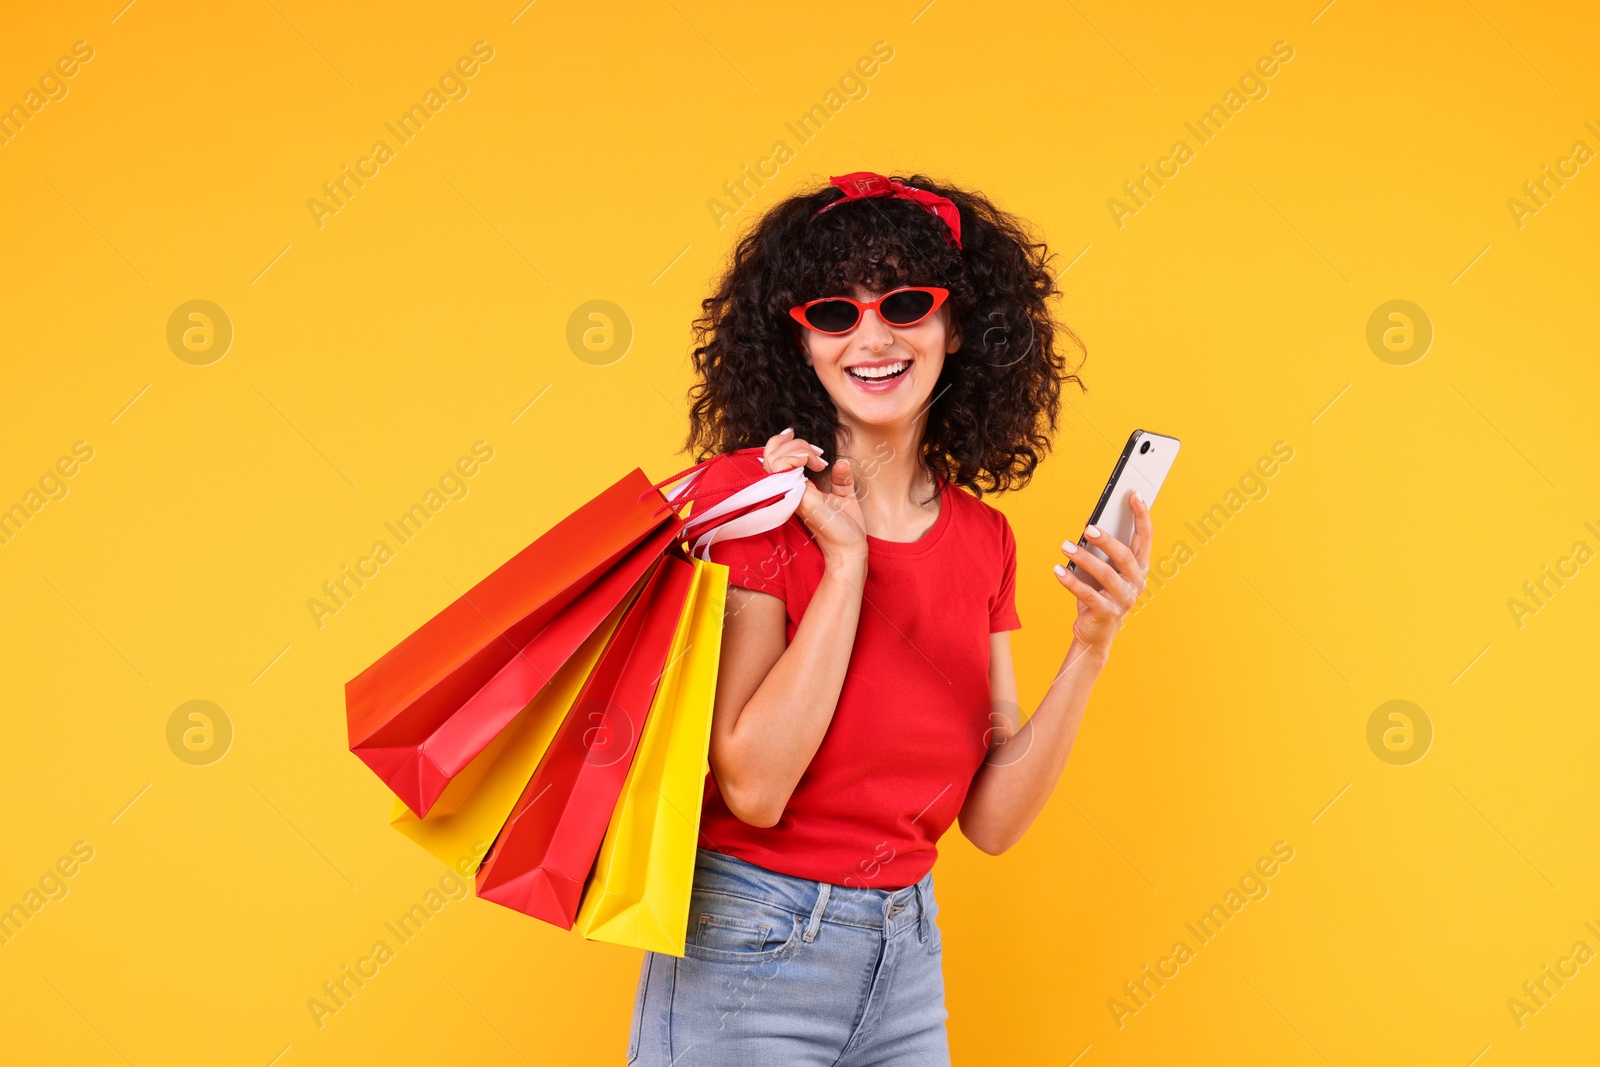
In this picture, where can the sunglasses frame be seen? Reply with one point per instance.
(798, 313)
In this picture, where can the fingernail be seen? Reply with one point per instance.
(1135, 494)
(1061, 572)
(1092, 531)
(1069, 547)
(786, 429)
(817, 449)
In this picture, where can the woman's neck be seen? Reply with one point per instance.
(892, 483)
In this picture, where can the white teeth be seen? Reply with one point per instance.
(878, 373)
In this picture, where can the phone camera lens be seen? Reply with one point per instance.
(1145, 447)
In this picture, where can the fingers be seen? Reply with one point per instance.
(784, 452)
(1098, 569)
(1143, 529)
(1092, 598)
(833, 516)
(1123, 566)
(1117, 588)
(821, 504)
(815, 509)
(843, 479)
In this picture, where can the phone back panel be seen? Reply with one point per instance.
(1144, 470)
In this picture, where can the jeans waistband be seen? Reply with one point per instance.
(875, 909)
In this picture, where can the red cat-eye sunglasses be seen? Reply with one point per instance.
(836, 315)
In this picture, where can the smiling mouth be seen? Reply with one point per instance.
(879, 374)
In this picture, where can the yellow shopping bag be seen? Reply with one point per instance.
(463, 822)
(638, 892)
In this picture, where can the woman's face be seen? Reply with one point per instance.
(916, 352)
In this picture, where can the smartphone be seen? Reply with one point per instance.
(1143, 465)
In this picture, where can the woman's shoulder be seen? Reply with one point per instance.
(728, 472)
(721, 477)
(976, 513)
(754, 557)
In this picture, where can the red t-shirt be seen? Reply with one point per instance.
(912, 723)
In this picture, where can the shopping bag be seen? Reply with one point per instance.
(638, 894)
(464, 821)
(732, 497)
(420, 714)
(484, 714)
(541, 860)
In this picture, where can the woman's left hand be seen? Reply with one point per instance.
(1101, 611)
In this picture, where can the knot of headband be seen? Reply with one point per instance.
(864, 183)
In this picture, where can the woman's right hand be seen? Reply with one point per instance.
(834, 517)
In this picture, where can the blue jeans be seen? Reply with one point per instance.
(783, 970)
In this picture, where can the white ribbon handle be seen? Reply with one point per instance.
(791, 484)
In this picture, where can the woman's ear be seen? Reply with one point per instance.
(952, 341)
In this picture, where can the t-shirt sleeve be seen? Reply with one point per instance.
(1003, 610)
(754, 562)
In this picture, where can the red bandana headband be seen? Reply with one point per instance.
(864, 183)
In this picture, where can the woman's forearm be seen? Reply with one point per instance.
(1015, 781)
(783, 723)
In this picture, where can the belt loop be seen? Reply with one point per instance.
(816, 913)
(924, 924)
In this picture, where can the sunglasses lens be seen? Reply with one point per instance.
(903, 309)
(832, 316)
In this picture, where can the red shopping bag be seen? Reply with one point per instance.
(420, 713)
(543, 855)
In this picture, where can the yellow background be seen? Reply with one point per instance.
(369, 354)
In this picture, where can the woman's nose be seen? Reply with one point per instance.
(872, 332)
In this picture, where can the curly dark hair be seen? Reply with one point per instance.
(996, 403)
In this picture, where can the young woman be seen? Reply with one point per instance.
(893, 338)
